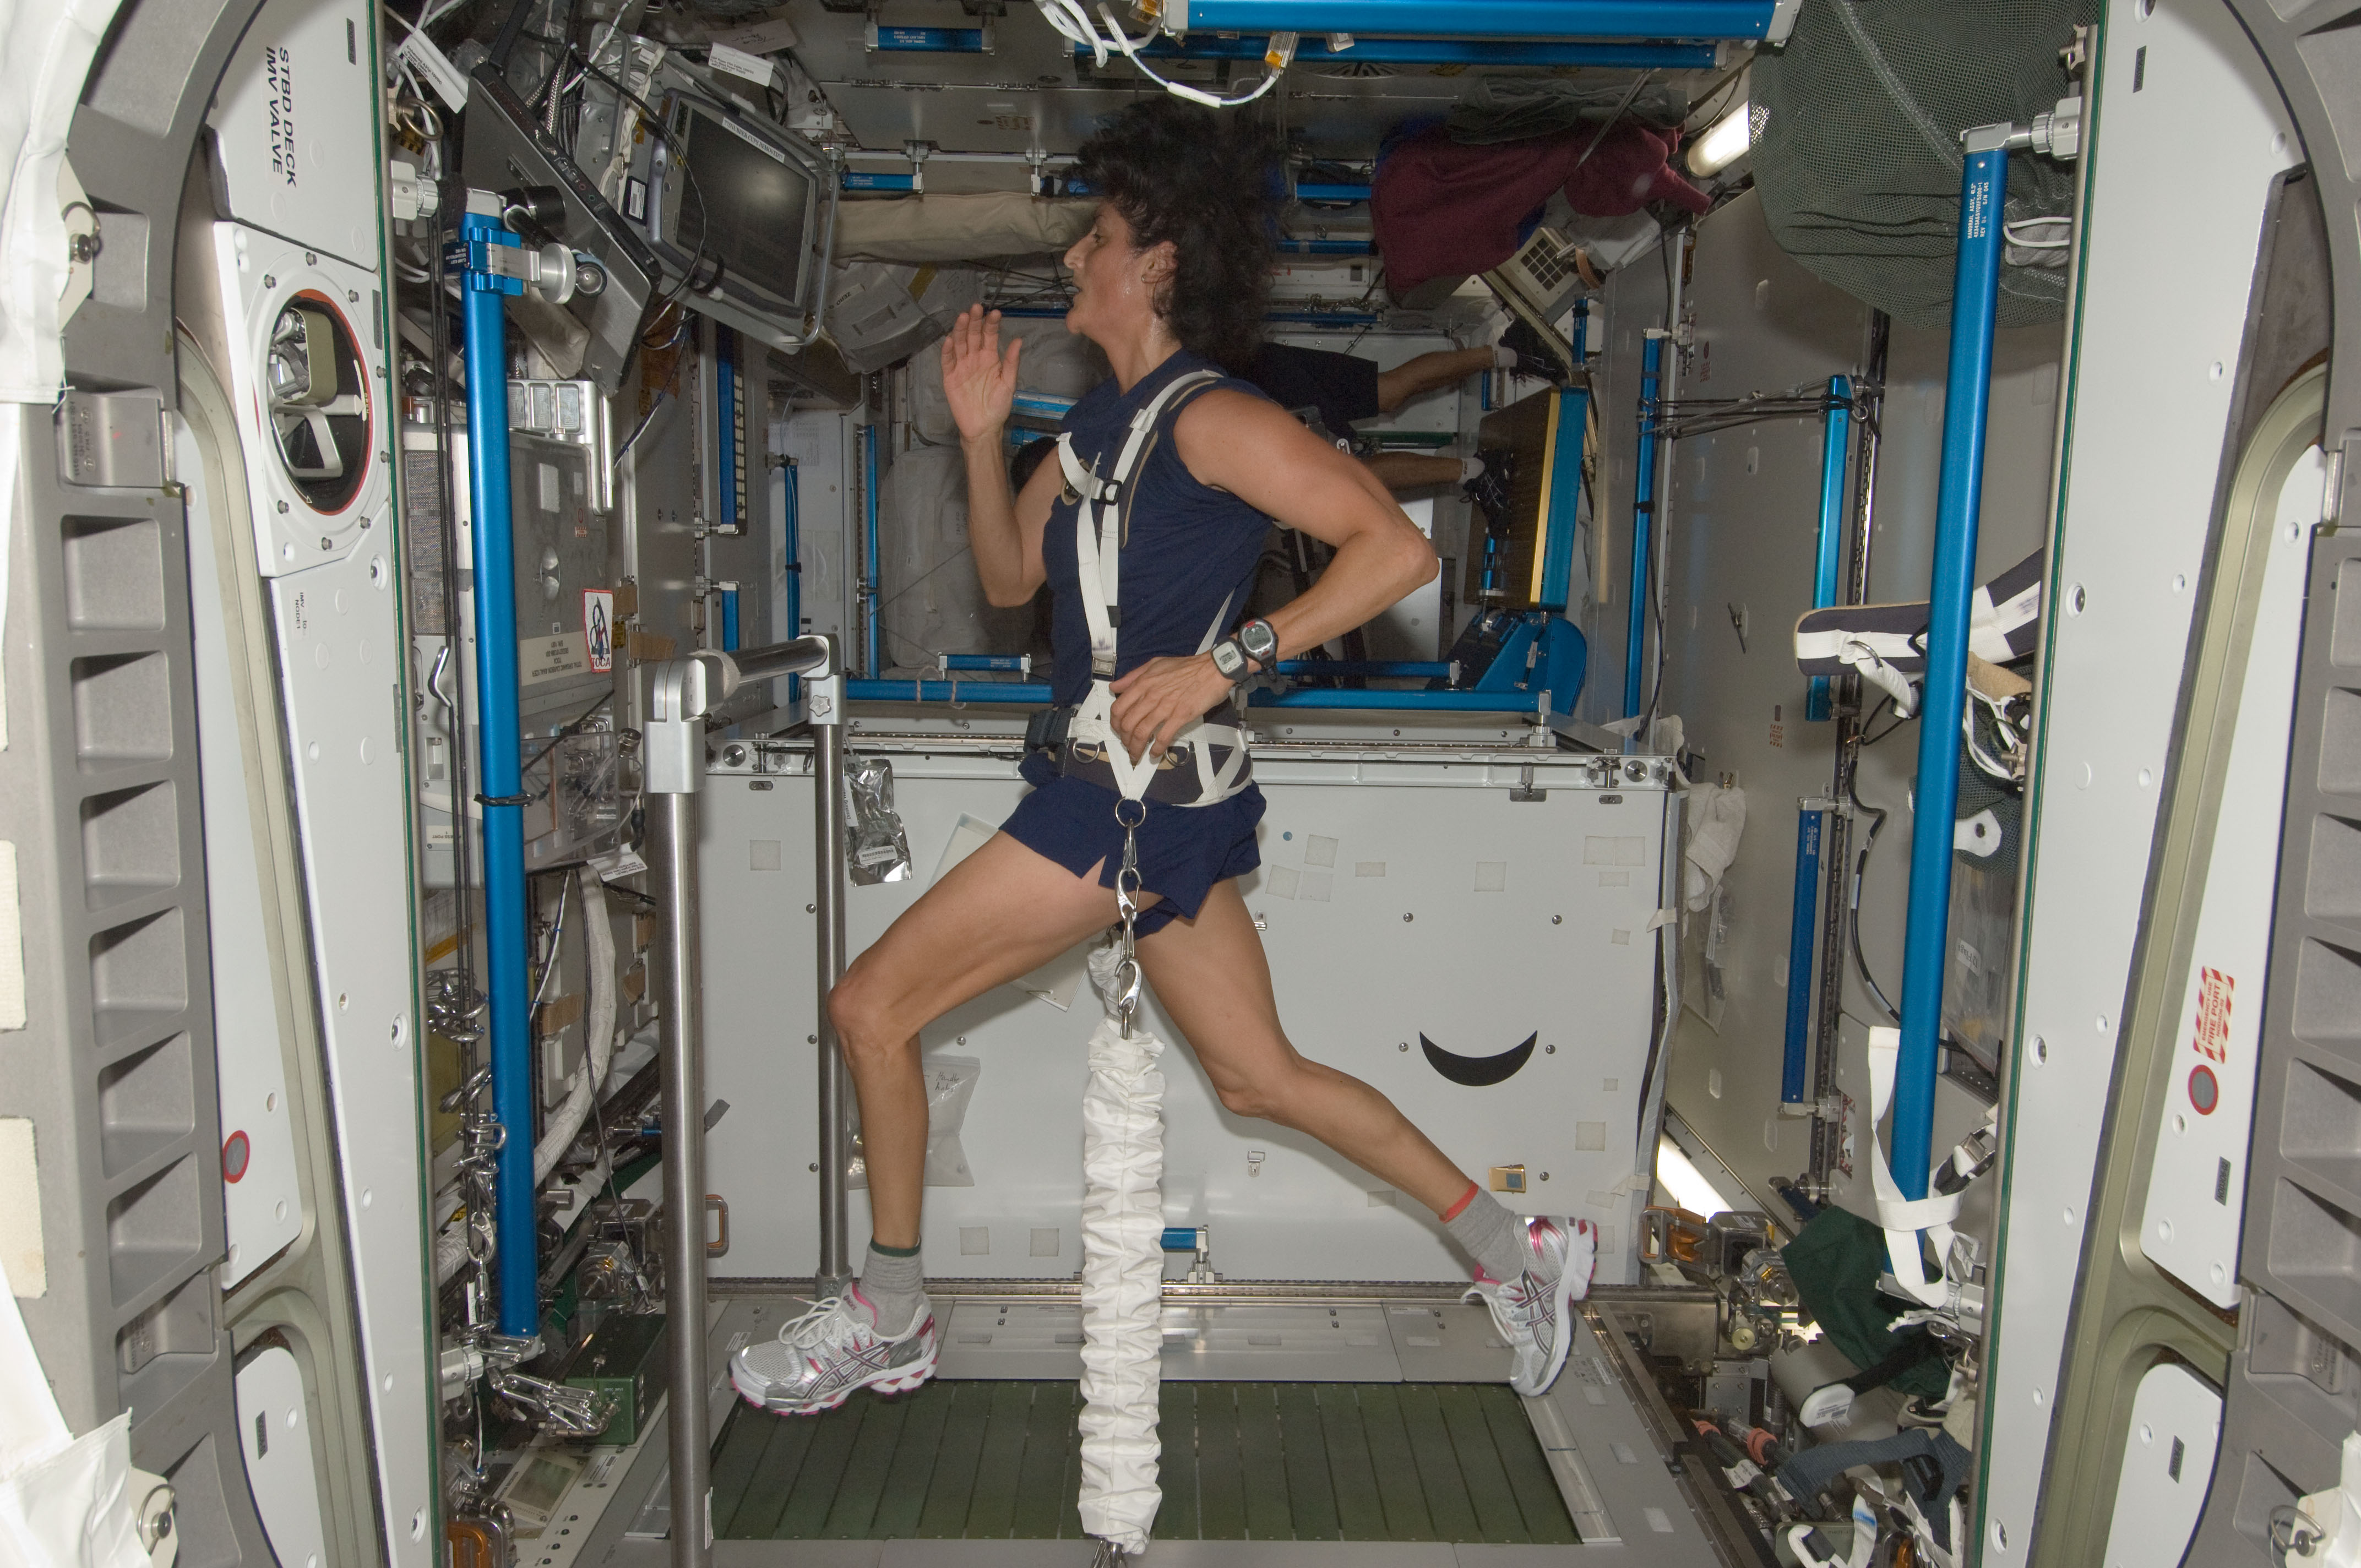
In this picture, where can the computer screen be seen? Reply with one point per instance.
(744, 205)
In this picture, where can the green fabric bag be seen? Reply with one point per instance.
(1835, 1261)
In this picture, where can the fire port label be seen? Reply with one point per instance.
(599, 629)
(2212, 1022)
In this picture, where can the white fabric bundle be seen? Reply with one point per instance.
(1123, 1276)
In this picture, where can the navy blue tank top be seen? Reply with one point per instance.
(1192, 546)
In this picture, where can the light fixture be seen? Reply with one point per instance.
(1684, 1183)
(1722, 145)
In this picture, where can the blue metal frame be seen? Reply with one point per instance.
(852, 179)
(725, 420)
(1801, 934)
(1440, 51)
(1635, 19)
(1323, 247)
(1004, 661)
(791, 548)
(1318, 192)
(872, 639)
(1413, 669)
(729, 618)
(1836, 441)
(1975, 292)
(498, 772)
(1643, 507)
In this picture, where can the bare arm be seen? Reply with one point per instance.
(1247, 446)
(1004, 530)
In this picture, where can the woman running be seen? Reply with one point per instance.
(1149, 557)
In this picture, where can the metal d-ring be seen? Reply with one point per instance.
(1130, 824)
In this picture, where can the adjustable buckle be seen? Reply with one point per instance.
(1049, 729)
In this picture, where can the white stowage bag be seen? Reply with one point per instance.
(1123, 1275)
(65, 1501)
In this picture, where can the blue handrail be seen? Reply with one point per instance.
(1801, 932)
(1540, 19)
(1975, 295)
(484, 343)
(1836, 437)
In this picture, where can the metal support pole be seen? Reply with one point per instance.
(1975, 293)
(1800, 932)
(1835, 436)
(672, 865)
(835, 1268)
(873, 639)
(497, 727)
(681, 692)
(1836, 845)
(791, 518)
(1643, 507)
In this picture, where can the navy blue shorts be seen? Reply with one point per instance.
(1183, 849)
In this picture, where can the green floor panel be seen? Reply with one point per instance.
(953, 1486)
(1360, 1514)
(1311, 1491)
(1398, 1479)
(1262, 1464)
(1498, 1518)
(737, 1459)
(852, 1514)
(1041, 1477)
(1262, 1460)
(814, 1493)
(766, 1491)
(1176, 1406)
(1538, 1499)
(913, 1469)
(1221, 1489)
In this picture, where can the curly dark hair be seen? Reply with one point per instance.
(1201, 179)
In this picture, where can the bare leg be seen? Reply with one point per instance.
(1001, 913)
(1443, 367)
(1211, 976)
(1413, 470)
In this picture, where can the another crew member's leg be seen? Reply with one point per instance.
(1444, 367)
(1213, 977)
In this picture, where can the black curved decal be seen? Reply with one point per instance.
(1476, 1072)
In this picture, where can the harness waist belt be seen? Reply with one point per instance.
(1176, 780)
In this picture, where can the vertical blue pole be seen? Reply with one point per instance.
(872, 639)
(729, 618)
(726, 421)
(1836, 437)
(1643, 507)
(486, 342)
(1800, 942)
(1975, 292)
(793, 520)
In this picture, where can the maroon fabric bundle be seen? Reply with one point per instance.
(1443, 209)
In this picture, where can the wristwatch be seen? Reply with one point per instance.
(1254, 643)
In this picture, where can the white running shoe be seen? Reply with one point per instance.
(819, 1358)
(1532, 1310)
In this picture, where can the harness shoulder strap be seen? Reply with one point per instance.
(1101, 516)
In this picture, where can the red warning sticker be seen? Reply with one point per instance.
(2212, 1022)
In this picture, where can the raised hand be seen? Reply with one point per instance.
(979, 381)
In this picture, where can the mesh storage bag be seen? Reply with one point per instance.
(1855, 139)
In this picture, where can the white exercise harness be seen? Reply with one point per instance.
(1102, 526)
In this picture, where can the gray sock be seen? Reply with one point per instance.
(1492, 1235)
(895, 1287)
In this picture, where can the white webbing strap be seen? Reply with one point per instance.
(1101, 516)
(1873, 668)
(1903, 1218)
